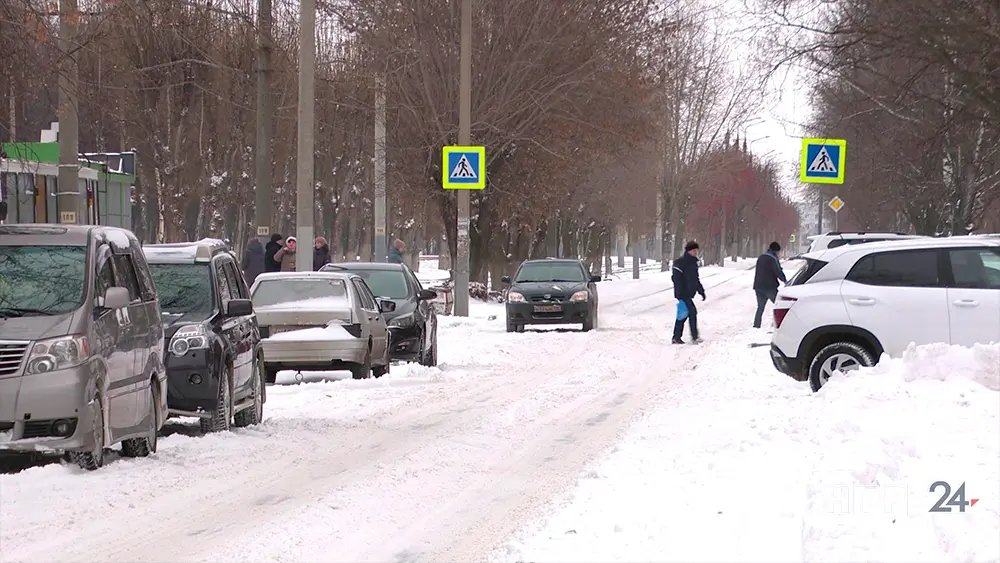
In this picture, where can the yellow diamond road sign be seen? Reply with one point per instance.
(836, 204)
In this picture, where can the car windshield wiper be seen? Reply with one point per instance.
(566, 281)
(21, 311)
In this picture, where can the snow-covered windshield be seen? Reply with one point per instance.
(41, 280)
(288, 290)
(550, 272)
(183, 288)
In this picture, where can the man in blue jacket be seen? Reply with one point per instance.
(686, 285)
(765, 279)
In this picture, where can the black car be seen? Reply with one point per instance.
(413, 324)
(551, 291)
(213, 353)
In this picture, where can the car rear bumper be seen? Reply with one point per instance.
(322, 354)
(792, 367)
(524, 313)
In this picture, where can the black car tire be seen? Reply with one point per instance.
(588, 323)
(514, 327)
(142, 447)
(222, 416)
(255, 414)
(379, 371)
(270, 375)
(364, 369)
(93, 459)
(429, 356)
(857, 353)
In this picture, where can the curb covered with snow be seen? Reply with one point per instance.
(777, 473)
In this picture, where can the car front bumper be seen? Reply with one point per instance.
(31, 406)
(404, 343)
(791, 367)
(571, 312)
(192, 383)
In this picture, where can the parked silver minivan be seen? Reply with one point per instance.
(81, 343)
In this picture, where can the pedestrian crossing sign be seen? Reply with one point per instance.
(463, 168)
(823, 161)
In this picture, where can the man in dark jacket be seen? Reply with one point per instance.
(270, 249)
(687, 283)
(253, 260)
(396, 252)
(765, 280)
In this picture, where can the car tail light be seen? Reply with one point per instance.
(779, 314)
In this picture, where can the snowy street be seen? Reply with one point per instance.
(479, 458)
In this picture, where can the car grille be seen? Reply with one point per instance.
(553, 299)
(11, 355)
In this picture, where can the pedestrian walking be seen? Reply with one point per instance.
(253, 260)
(321, 253)
(765, 279)
(270, 249)
(687, 284)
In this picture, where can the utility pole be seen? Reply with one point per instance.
(305, 191)
(263, 201)
(71, 201)
(465, 139)
(380, 205)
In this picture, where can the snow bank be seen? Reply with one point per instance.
(744, 464)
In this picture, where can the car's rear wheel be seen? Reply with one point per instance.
(839, 356)
(364, 369)
(379, 371)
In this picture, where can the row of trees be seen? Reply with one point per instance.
(913, 86)
(599, 116)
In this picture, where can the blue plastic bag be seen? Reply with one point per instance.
(682, 310)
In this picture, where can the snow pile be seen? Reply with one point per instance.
(747, 465)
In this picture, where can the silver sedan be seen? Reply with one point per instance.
(320, 321)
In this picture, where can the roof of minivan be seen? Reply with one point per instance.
(45, 234)
(901, 244)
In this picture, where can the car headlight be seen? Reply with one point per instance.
(580, 296)
(403, 321)
(191, 337)
(57, 353)
(514, 297)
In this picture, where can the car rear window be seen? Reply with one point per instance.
(288, 290)
(808, 271)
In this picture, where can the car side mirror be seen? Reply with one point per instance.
(595, 279)
(115, 298)
(426, 295)
(505, 279)
(238, 308)
(386, 306)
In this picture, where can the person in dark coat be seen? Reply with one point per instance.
(765, 279)
(253, 260)
(396, 252)
(270, 249)
(687, 284)
(321, 253)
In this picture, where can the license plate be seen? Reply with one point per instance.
(548, 308)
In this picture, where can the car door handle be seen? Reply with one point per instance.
(861, 301)
(966, 303)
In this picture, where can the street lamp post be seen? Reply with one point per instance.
(464, 139)
(304, 189)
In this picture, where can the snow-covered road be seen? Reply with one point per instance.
(437, 464)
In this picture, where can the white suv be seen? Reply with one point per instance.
(849, 305)
(836, 239)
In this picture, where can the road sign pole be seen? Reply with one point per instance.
(381, 247)
(304, 186)
(461, 263)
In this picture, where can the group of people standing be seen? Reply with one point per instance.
(279, 255)
(687, 283)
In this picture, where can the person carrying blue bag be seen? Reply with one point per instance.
(765, 279)
(687, 284)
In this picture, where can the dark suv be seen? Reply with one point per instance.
(551, 291)
(413, 323)
(213, 352)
